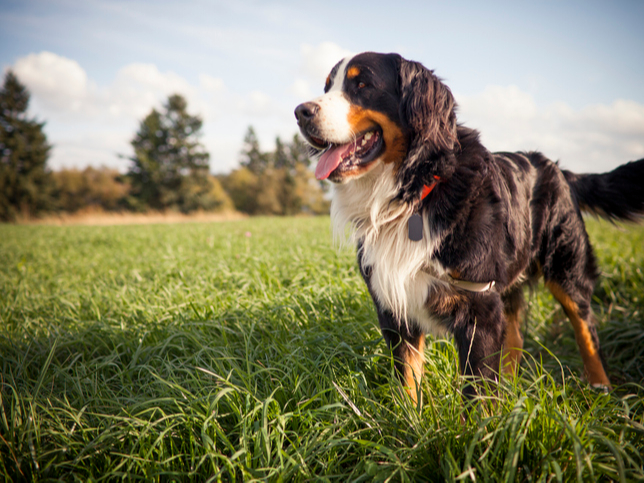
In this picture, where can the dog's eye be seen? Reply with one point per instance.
(361, 85)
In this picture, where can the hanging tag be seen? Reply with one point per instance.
(415, 226)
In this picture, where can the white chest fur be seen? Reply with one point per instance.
(398, 279)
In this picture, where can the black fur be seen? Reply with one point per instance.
(618, 195)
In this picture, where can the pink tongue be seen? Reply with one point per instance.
(330, 160)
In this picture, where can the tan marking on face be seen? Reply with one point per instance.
(362, 120)
(592, 362)
(353, 72)
(328, 81)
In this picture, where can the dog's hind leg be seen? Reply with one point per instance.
(570, 272)
(513, 308)
(577, 308)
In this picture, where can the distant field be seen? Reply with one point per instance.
(250, 350)
(93, 217)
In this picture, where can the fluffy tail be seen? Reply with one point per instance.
(616, 195)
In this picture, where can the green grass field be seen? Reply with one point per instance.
(195, 352)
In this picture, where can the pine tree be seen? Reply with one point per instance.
(170, 167)
(251, 155)
(284, 166)
(25, 182)
(299, 152)
(281, 158)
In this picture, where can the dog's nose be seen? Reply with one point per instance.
(306, 111)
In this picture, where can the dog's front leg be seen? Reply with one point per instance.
(405, 340)
(407, 344)
(478, 332)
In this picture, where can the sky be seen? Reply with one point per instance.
(562, 77)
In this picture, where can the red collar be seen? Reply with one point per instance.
(428, 188)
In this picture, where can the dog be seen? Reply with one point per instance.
(447, 232)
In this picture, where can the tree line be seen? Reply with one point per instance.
(169, 170)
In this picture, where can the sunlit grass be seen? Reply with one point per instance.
(250, 350)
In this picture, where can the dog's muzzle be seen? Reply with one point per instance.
(306, 115)
(306, 112)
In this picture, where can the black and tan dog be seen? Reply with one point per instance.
(447, 232)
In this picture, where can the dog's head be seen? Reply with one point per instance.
(381, 108)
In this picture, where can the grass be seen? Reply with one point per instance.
(249, 350)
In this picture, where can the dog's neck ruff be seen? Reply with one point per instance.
(378, 221)
(402, 271)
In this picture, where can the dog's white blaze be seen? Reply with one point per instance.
(338, 79)
(334, 110)
(397, 279)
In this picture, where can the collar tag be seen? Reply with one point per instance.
(415, 227)
(415, 223)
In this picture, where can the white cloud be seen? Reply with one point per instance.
(501, 102)
(257, 103)
(61, 88)
(140, 87)
(318, 60)
(595, 138)
(315, 64)
(301, 89)
(58, 82)
(213, 85)
(621, 117)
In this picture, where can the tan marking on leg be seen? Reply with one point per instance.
(414, 360)
(592, 362)
(513, 344)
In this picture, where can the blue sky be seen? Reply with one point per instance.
(566, 78)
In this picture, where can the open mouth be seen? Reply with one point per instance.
(366, 147)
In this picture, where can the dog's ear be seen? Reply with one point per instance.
(427, 111)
